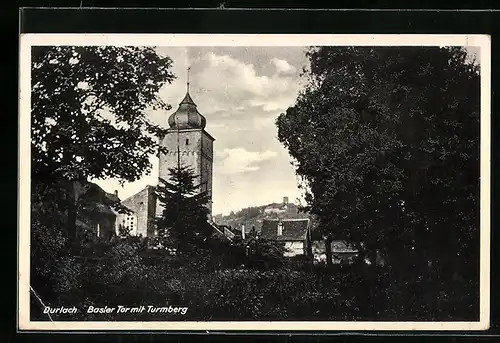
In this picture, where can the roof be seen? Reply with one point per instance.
(233, 230)
(274, 205)
(112, 197)
(94, 199)
(342, 246)
(95, 207)
(187, 99)
(93, 190)
(218, 231)
(187, 116)
(293, 229)
(337, 247)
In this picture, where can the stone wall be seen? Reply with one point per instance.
(189, 148)
(143, 206)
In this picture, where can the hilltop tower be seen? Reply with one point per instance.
(189, 144)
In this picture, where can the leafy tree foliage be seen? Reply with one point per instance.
(387, 142)
(256, 248)
(88, 121)
(185, 211)
(88, 114)
(249, 212)
(88, 110)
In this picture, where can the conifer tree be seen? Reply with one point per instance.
(184, 216)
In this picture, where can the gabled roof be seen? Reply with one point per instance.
(293, 229)
(218, 231)
(112, 197)
(93, 190)
(94, 199)
(98, 208)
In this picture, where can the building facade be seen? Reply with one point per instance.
(293, 233)
(96, 214)
(141, 220)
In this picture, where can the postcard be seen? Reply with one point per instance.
(184, 182)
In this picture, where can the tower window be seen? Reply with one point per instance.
(187, 141)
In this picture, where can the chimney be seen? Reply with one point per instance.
(116, 192)
(243, 231)
(285, 200)
(280, 228)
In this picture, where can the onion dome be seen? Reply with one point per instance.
(187, 116)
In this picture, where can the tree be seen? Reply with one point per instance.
(88, 116)
(185, 212)
(258, 252)
(387, 143)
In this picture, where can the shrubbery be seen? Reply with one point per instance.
(124, 273)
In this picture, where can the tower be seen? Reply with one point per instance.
(189, 144)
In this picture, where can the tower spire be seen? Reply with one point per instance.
(188, 72)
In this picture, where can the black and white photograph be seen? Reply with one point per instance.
(254, 182)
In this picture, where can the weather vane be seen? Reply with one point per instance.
(188, 70)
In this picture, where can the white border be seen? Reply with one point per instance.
(184, 40)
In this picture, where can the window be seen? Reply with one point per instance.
(187, 141)
(280, 229)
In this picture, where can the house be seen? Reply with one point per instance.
(96, 212)
(294, 233)
(342, 252)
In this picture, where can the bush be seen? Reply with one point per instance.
(209, 282)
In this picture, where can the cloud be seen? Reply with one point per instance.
(282, 66)
(239, 160)
(231, 85)
(264, 123)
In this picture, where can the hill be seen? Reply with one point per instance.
(253, 216)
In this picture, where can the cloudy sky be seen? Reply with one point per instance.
(240, 91)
